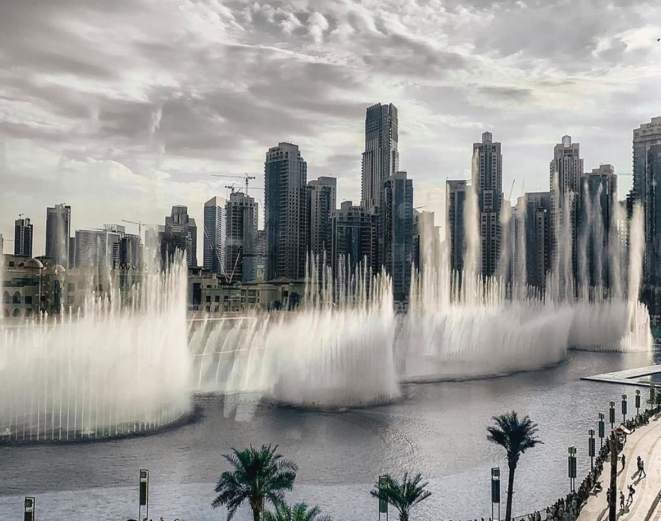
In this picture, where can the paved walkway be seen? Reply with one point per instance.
(646, 443)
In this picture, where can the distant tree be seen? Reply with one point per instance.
(404, 495)
(298, 512)
(258, 475)
(515, 436)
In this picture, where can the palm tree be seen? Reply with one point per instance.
(515, 436)
(403, 496)
(258, 475)
(299, 512)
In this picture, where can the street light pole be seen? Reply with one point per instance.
(591, 448)
(611, 414)
(602, 429)
(572, 468)
(624, 408)
(637, 402)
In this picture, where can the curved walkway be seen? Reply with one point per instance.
(646, 443)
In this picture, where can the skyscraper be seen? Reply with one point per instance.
(646, 180)
(381, 158)
(58, 231)
(99, 248)
(380, 161)
(23, 237)
(565, 171)
(241, 215)
(214, 235)
(285, 202)
(398, 226)
(534, 216)
(353, 239)
(597, 204)
(180, 233)
(455, 231)
(322, 197)
(488, 183)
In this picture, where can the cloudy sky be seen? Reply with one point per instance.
(122, 108)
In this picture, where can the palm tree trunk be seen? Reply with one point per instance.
(404, 516)
(510, 493)
(257, 506)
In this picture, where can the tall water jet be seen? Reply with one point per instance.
(118, 366)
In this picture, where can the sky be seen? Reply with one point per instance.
(124, 108)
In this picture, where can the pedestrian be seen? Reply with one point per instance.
(621, 501)
(623, 461)
(642, 468)
(609, 496)
(632, 491)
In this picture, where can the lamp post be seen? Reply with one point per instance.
(624, 408)
(591, 448)
(611, 414)
(572, 467)
(637, 402)
(652, 396)
(602, 429)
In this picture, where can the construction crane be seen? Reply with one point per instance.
(140, 225)
(511, 190)
(246, 177)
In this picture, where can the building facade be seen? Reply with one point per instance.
(455, 230)
(646, 180)
(398, 227)
(353, 239)
(285, 209)
(565, 172)
(242, 215)
(534, 217)
(23, 237)
(99, 248)
(58, 232)
(488, 184)
(180, 233)
(322, 195)
(214, 235)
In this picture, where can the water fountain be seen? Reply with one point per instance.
(120, 366)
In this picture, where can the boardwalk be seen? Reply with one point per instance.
(646, 443)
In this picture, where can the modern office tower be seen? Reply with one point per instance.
(646, 180)
(2, 245)
(72, 252)
(58, 231)
(214, 235)
(152, 253)
(180, 233)
(99, 248)
(455, 231)
(381, 158)
(322, 199)
(241, 217)
(596, 213)
(425, 238)
(23, 237)
(353, 240)
(534, 217)
(285, 212)
(130, 251)
(565, 172)
(488, 183)
(398, 227)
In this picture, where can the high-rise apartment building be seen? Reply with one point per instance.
(425, 238)
(180, 234)
(58, 232)
(646, 183)
(488, 184)
(380, 161)
(455, 230)
(214, 235)
(23, 237)
(353, 239)
(322, 194)
(534, 216)
(241, 217)
(596, 217)
(285, 212)
(130, 251)
(398, 238)
(565, 172)
(99, 248)
(261, 255)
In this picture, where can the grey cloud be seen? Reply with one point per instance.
(507, 94)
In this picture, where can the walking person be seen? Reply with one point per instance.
(641, 468)
(632, 491)
(621, 501)
(623, 461)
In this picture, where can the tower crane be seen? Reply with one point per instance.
(140, 225)
(511, 190)
(246, 177)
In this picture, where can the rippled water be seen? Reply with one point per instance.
(438, 429)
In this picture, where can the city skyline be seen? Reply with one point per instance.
(129, 138)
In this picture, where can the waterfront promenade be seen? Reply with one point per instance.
(646, 506)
